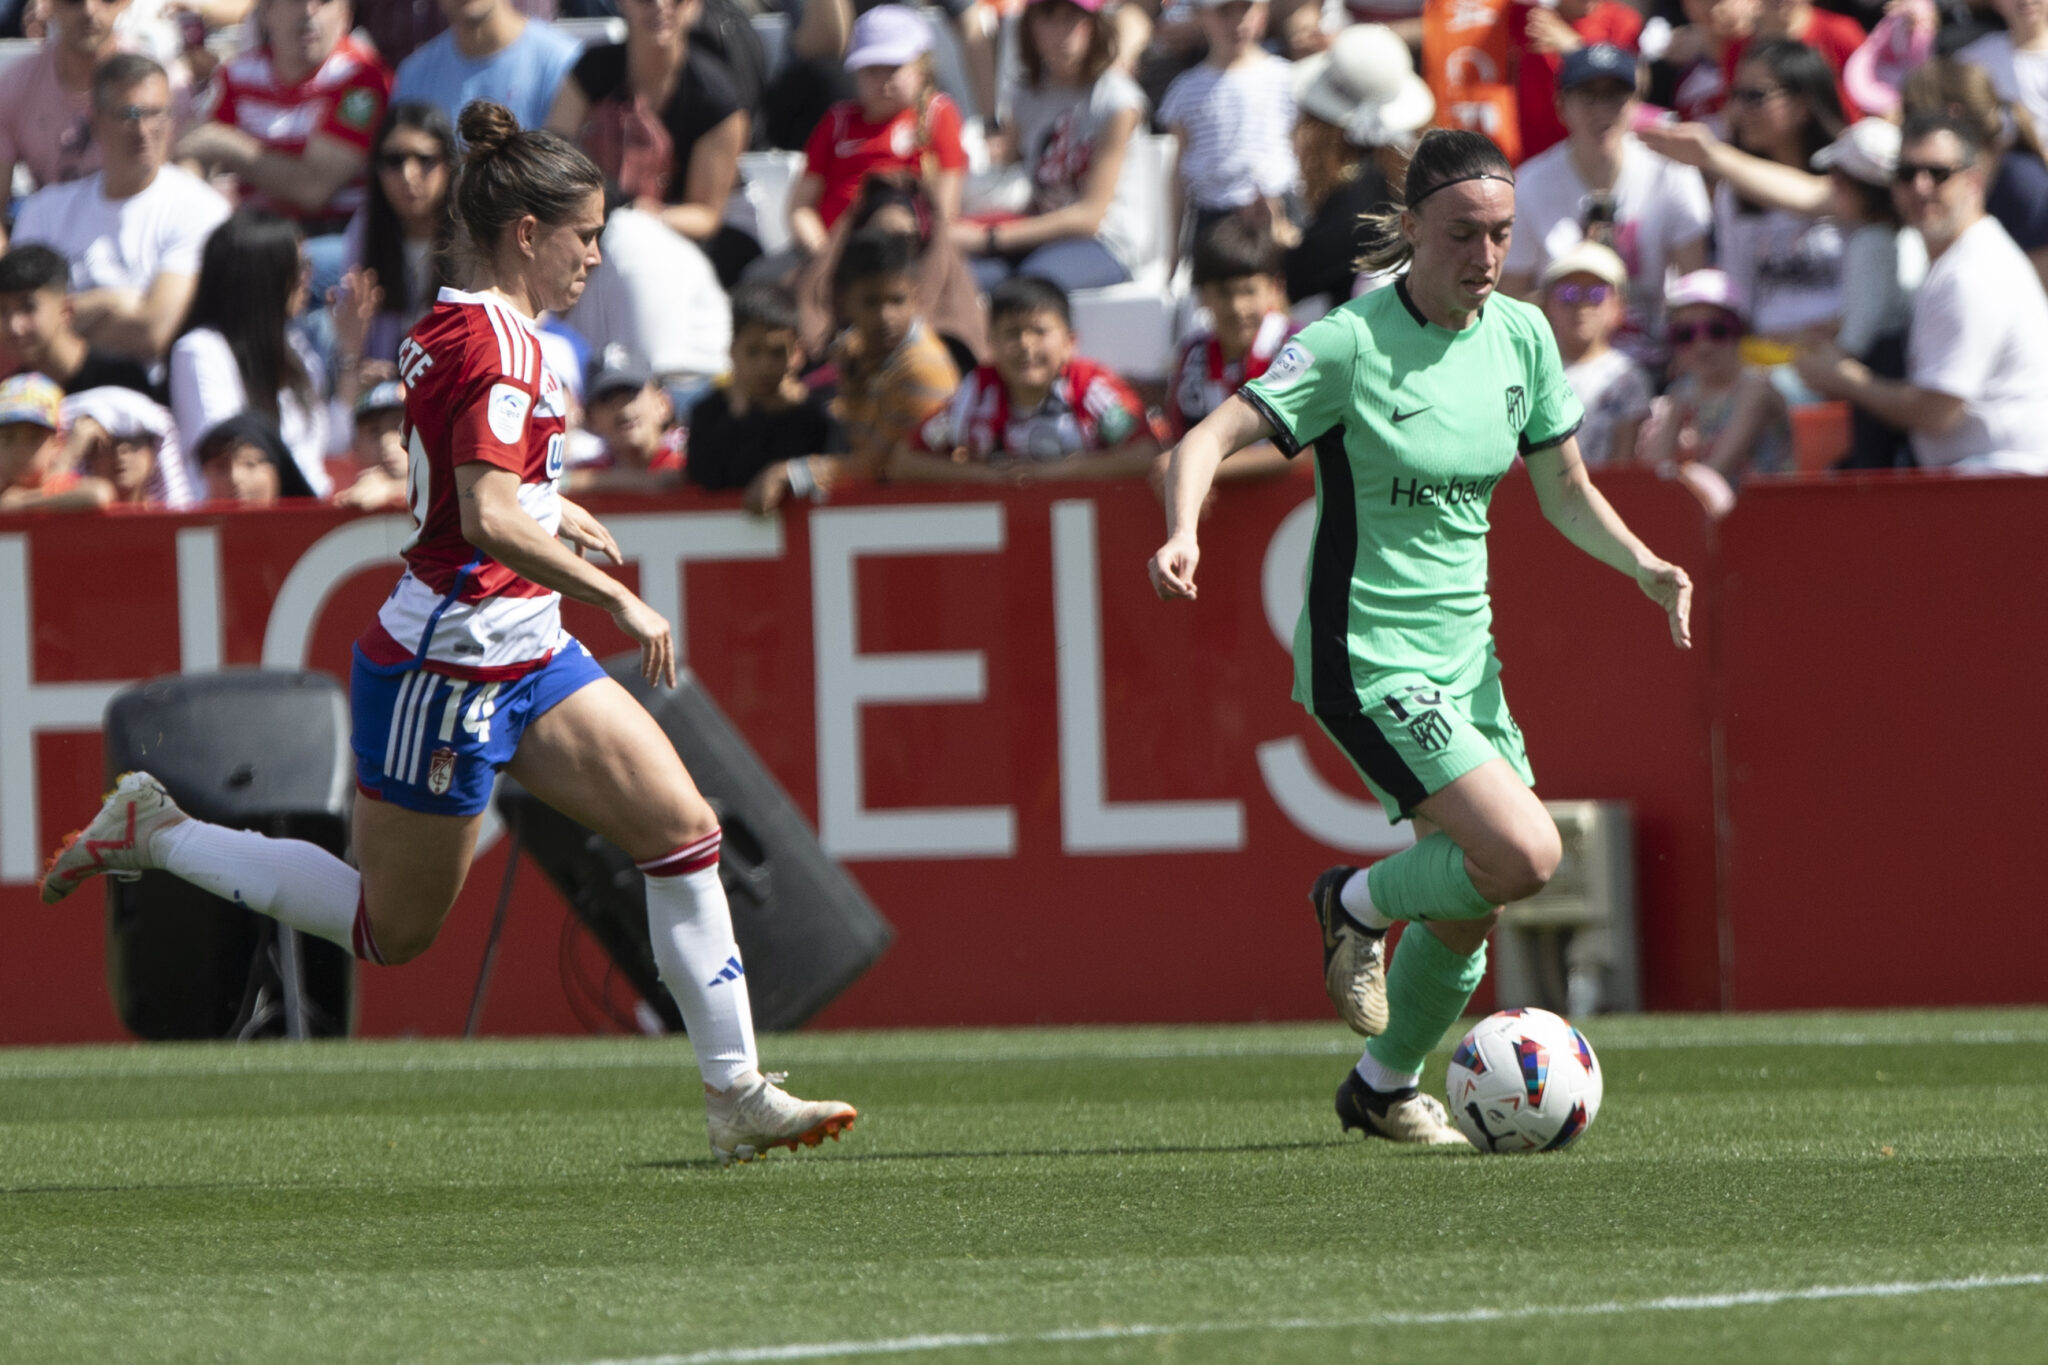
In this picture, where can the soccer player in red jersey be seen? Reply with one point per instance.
(467, 669)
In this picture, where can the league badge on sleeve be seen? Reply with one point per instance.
(1291, 364)
(507, 410)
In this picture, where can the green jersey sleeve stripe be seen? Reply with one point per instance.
(1530, 447)
(1283, 436)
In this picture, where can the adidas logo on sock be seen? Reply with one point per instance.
(732, 971)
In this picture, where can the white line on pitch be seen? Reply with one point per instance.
(828, 1350)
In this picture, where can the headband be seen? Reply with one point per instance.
(1507, 180)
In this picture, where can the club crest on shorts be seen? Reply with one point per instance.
(441, 771)
(1518, 407)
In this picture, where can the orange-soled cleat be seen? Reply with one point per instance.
(117, 841)
(757, 1114)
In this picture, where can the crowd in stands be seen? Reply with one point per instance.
(223, 216)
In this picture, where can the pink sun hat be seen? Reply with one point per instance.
(1901, 41)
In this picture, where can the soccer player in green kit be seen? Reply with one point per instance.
(1415, 401)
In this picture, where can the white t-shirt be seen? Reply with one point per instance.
(1882, 267)
(1787, 266)
(2019, 77)
(656, 294)
(1660, 205)
(1980, 333)
(124, 243)
(1057, 129)
(207, 389)
(1611, 388)
(1237, 130)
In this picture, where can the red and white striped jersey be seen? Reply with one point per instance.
(476, 390)
(343, 98)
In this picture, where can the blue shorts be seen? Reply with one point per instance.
(432, 743)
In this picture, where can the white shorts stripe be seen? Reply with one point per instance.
(398, 721)
(415, 710)
(421, 728)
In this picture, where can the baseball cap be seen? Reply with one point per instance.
(1596, 62)
(380, 398)
(1587, 258)
(888, 35)
(33, 399)
(1706, 286)
(1867, 150)
(612, 369)
(1365, 83)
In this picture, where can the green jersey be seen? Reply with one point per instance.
(1412, 427)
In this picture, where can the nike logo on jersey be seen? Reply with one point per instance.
(1400, 416)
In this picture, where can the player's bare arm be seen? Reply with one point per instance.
(1190, 469)
(1576, 508)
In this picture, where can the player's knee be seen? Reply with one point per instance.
(1528, 861)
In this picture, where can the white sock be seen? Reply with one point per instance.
(691, 929)
(290, 880)
(1356, 898)
(1383, 1078)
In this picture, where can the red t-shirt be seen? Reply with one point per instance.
(1089, 408)
(1833, 36)
(1608, 21)
(845, 149)
(342, 98)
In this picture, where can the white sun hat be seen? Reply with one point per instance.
(1365, 83)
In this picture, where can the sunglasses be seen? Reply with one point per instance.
(137, 113)
(1909, 173)
(398, 161)
(1583, 293)
(1753, 96)
(1686, 333)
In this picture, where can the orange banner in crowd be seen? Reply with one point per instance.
(1465, 59)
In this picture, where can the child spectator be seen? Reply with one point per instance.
(1073, 115)
(1834, 37)
(376, 447)
(244, 460)
(1544, 36)
(1718, 411)
(626, 409)
(1582, 297)
(948, 299)
(1233, 117)
(763, 415)
(1237, 277)
(1039, 412)
(900, 124)
(130, 441)
(32, 472)
(36, 312)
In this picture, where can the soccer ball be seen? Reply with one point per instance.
(1523, 1081)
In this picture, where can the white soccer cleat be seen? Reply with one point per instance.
(117, 841)
(1398, 1115)
(757, 1114)
(1354, 959)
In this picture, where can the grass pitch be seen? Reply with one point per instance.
(1804, 1188)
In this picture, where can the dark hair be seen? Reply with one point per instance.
(1445, 156)
(1102, 44)
(771, 307)
(1964, 92)
(33, 268)
(1233, 248)
(254, 429)
(248, 271)
(1807, 79)
(508, 172)
(1924, 123)
(872, 253)
(120, 71)
(1028, 294)
(383, 236)
(885, 191)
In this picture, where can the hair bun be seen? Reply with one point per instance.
(485, 126)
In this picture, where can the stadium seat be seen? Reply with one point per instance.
(1820, 435)
(766, 179)
(594, 32)
(1131, 327)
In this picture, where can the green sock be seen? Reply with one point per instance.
(1428, 986)
(1427, 881)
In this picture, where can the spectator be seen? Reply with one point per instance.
(46, 100)
(33, 476)
(1039, 412)
(1718, 411)
(36, 309)
(2017, 59)
(948, 299)
(1361, 106)
(397, 28)
(1072, 114)
(662, 121)
(490, 52)
(398, 241)
(1237, 279)
(295, 118)
(655, 294)
(2011, 149)
(1602, 183)
(1786, 267)
(1834, 37)
(632, 416)
(1972, 397)
(378, 463)
(237, 352)
(763, 415)
(130, 441)
(131, 231)
(1233, 120)
(900, 125)
(243, 460)
(1582, 292)
(1543, 36)
(812, 76)
(1691, 77)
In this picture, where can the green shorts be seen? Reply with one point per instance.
(1417, 734)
